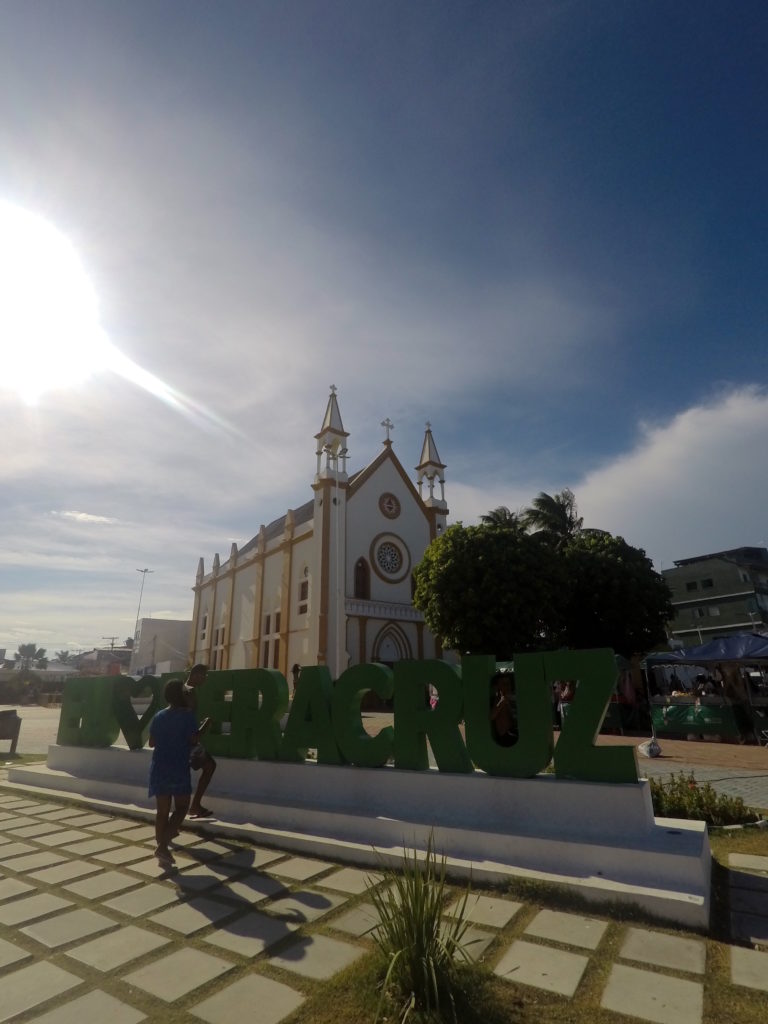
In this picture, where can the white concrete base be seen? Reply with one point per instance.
(600, 840)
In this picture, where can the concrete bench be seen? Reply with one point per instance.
(10, 726)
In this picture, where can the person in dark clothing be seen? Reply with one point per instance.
(203, 762)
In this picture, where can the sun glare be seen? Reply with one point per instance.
(50, 333)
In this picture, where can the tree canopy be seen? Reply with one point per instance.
(490, 590)
(497, 589)
(29, 655)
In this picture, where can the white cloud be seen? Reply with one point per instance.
(693, 485)
(84, 517)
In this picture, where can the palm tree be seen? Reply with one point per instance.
(29, 655)
(555, 516)
(63, 657)
(503, 517)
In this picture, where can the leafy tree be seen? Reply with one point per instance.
(555, 516)
(491, 591)
(616, 599)
(29, 655)
(503, 517)
(63, 657)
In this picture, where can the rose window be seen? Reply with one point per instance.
(389, 558)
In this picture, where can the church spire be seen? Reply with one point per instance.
(430, 468)
(332, 440)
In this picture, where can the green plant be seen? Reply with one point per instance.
(422, 949)
(681, 796)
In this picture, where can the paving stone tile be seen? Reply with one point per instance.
(251, 934)
(476, 941)
(197, 880)
(748, 862)
(89, 847)
(749, 967)
(12, 827)
(40, 828)
(654, 997)
(137, 834)
(174, 976)
(357, 921)
(236, 1002)
(193, 916)
(43, 808)
(152, 869)
(317, 957)
(122, 855)
(34, 861)
(492, 911)
(749, 928)
(350, 880)
(651, 947)
(19, 803)
(553, 970)
(32, 986)
(95, 1006)
(63, 837)
(95, 887)
(252, 857)
(10, 887)
(747, 901)
(30, 907)
(572, 929)
(88, 820)
(65, 872)
(300, 868)
(117, 949)
(186, 839)
(150, 897)
(301, 907)
(60, 814)
(207, 849)
(109, 826)
(10, 850)
(64, 928)
(252, 888)
(9, 817)
(11, 954)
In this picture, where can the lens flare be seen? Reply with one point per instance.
(51, 337)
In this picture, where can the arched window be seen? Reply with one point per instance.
(362, 580)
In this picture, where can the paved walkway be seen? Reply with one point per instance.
(91, 929)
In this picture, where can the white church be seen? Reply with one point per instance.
(328, 583)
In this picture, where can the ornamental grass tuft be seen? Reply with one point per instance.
(681, 796)
(423, 950)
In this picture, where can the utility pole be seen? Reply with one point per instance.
(112, 639)
(141, 591)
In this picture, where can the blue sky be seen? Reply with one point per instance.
(541, 226)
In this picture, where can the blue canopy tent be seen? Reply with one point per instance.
(740, 647)
(711, 714)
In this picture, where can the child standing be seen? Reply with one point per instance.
(172, 734)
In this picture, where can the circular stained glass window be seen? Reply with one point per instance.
(389, 557)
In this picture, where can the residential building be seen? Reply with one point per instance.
(329, 582)
(160, 645)
(718, 594)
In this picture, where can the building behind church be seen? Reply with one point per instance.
(330, 582)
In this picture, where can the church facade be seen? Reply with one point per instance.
(329, 582)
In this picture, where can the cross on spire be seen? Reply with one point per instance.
(388, 425)
(334, 389)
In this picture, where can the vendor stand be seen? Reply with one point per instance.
(733, 712)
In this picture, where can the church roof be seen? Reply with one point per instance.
(302, 514)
